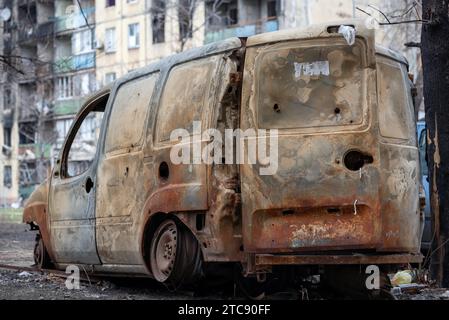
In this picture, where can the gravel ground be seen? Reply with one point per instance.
(23, 285)
(16, 244)
(16, 248)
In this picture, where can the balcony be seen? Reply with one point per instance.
(73, 21)
(74, 63)
(67, 106)
(29, 35)
(28, 67)
(246, 30)
(34, 151)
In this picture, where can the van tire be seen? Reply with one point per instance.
(41, 258)
(175, 255)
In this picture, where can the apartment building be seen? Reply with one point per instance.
(51, 69)
(132, 33)
(26, 91)
(74, 75)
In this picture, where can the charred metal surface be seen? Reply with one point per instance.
(268, 260)
(222, 238)
(36, 214)
(347, 178)
(324, 102)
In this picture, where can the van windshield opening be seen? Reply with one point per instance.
(310, 84)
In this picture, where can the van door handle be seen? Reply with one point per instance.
(89, 184)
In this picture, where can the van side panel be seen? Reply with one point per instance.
(120, 180)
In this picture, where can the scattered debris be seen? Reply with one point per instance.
(412, 288)
(24, 274)
(402, 278)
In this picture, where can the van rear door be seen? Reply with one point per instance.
(313, 92)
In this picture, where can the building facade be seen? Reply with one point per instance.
(50, 70)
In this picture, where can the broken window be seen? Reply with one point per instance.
(310, 84)
(133, 36)
(7, 176)
(110, 3)
(158, 21)
(129, 112)
(183, 96)
(81, 147)
(109, 40)
(395, 113)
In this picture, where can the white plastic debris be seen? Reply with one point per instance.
(24, 274)
(348, 33)
(401, 278)
(445, 295)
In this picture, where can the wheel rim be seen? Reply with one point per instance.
(163, 251)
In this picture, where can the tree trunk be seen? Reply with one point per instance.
(435, 55)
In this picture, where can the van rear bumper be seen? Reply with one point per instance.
(356, 259)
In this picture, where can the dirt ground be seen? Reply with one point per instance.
(16, 244)
(16, 248)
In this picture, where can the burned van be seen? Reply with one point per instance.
(292, 149)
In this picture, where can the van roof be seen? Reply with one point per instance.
(322, 30)
(310, 32)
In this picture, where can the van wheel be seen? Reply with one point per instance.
(40, 255)
(175, 256)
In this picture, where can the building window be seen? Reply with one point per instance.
(109, 77)
(82, 42)
(7, 137)
(65, 87)
(7, 176)
(272, 11)
(185, 17)
(62, 129)
(158, 21)
(8, 99)
(221, 15)
(133, 35)
(110, 3)
(27, 132)
(233, 14)
(85, 87)
(109, 40)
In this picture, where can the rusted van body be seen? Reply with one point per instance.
(346, 188)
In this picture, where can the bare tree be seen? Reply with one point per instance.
(400, 29)
(435, 50)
